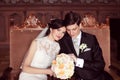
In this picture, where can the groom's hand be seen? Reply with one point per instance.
(73, 56)
(54, 75)
(50, 72)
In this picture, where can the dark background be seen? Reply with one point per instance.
(115, 33)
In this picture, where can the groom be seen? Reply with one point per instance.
(83, 48)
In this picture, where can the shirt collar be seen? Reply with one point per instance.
(79, 35)
(79, 38)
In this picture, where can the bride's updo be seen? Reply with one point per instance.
(54, 24)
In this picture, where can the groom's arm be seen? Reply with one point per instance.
(92, 66)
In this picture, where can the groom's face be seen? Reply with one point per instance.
(73, 30)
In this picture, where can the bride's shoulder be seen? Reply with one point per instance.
(40, 39)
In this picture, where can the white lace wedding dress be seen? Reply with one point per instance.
(46, 52)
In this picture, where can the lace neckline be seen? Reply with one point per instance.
(50, 39)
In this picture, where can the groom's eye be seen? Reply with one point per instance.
(74, 29)
(63, 32)
(68, 30)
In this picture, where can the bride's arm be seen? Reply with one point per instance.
(28, 59)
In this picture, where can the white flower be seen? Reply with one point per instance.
(83, 46)
(63, 66)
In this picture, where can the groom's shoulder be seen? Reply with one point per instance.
(88, 34)
(65, 39)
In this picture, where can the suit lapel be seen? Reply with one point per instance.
(83, 40)
(70, 45)
(70, 42)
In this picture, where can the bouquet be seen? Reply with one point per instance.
(63, 66)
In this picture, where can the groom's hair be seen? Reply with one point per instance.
(72, 18)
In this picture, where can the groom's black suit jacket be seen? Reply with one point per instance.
(93, 60)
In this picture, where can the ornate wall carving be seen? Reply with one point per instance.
(15, 14)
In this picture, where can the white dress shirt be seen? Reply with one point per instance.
(79, 62)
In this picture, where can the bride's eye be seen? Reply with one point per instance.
(58, 30)
(63, 32)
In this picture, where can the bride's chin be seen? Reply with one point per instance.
(57, 39)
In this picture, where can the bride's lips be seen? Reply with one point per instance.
(58, 37)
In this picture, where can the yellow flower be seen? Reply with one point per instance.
(54, 62)
(61, 66)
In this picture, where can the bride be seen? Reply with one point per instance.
(37, 62)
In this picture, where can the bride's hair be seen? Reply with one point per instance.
(54, 24)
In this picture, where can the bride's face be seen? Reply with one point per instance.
(57, 34)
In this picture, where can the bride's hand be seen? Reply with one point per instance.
(50, 72)
(73, 57)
